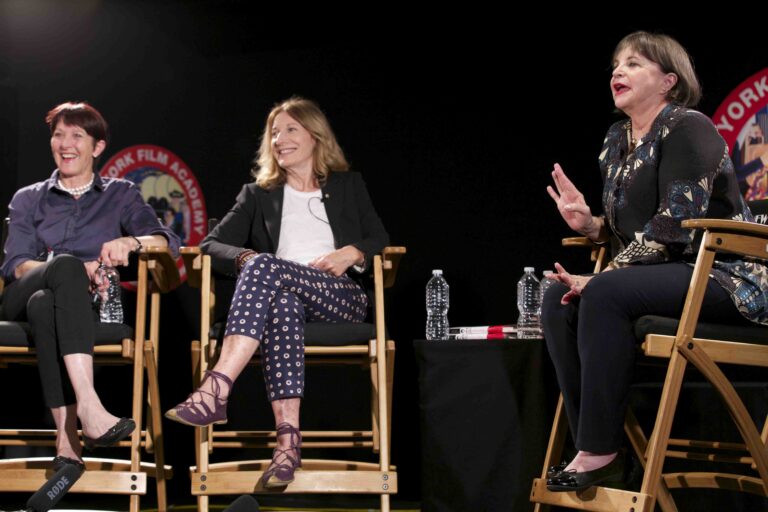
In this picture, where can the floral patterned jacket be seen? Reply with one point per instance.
(680, 170)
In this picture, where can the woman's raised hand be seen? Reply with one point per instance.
(570, 202)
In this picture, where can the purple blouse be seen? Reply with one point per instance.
(44, 218)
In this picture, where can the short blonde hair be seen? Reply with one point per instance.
(671, 58)
(327, 155)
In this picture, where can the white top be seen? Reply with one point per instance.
(305, 233)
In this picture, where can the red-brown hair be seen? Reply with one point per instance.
(79, 114)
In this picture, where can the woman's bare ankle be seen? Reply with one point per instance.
(588, 461)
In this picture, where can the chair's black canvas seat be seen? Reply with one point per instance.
(322, 334)
(742, 333)
(16, 334)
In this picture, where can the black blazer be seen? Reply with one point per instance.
(254, 221)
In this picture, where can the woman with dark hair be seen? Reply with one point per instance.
(60, 231)
(664, 164)
(293, 237)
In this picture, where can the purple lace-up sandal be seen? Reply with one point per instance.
(197, 413)
(284, 462)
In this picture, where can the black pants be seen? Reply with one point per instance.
(54, 299)
(592, 344)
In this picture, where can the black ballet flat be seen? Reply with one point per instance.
(59, 462)
(570, 480)
(121, 430)
(555, 470)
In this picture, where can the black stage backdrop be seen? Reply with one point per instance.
(454, 128)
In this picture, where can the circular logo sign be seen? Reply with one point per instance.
(168, 185)
(742, 120)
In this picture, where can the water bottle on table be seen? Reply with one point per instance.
(529, 305)
(437, 307)
(544, 285)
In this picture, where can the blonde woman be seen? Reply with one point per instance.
(295, 238)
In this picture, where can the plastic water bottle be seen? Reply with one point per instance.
(110, 299)
(544, 285)
(528, 304)
(437, 307)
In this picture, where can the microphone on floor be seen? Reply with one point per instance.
(54, 489)
(244, 503)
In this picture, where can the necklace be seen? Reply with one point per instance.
(631, 138)
(76, 191)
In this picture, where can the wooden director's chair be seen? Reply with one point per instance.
(682, 341)
(325, 343)
(116, 344)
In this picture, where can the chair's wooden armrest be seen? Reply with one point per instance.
(2, 285)
(578, 241)
(598, 249)
(729, 226)
(162, 266)
(390, 261)
(193, 263)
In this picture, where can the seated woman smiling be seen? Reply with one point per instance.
(60, 231)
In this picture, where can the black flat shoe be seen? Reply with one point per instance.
(555, 470)
(573, 481)
(60, 461)
(121, 430)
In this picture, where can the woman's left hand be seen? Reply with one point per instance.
(98, 283)
(338, 261)
(116, 252)
(576, 283)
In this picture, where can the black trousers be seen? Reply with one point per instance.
(54, 299)
(593, 347)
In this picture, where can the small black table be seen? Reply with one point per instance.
(486, 413)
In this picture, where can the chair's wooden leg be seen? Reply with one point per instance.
(381, 348)
(138, 373)
(385, 503)
(636, 436)
(196, 354)
(149, 440)
(390, 385)
(556, 438)
(555, 446)
(154, 336)
(202, 504)
(373, 370)
(157, 427)
(203, 435)
(657, 446)
(640, 446)
(735, 406)
(764, 437)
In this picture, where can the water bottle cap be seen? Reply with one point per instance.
(547, 273)
(437, 272)
(528, 269)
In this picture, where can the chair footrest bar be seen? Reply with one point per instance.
(105, 482)
(304, 444)
(711, 457)
(708, 445)
(725, 481)
(270, 434)
(307, 464)
(306, 481)
(597, 499)
(91, 464)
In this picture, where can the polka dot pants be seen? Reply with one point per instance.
(273, 298)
